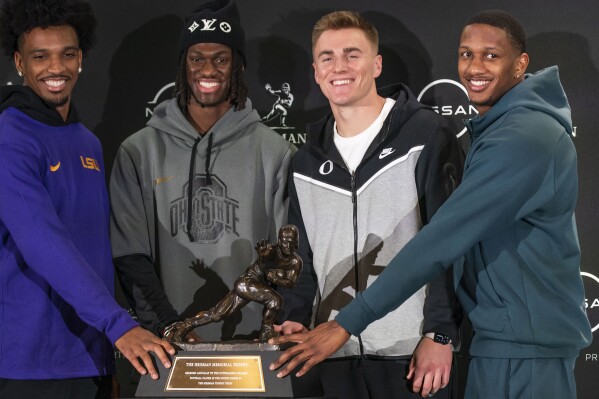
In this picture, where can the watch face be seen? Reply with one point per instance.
(442, 339)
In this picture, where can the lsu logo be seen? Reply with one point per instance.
(89, 163)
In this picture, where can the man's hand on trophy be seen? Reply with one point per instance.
(136, 344)
(290, 327)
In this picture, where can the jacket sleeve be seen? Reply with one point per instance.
(131, 242)
(438, 172)
(298, 301)
(27, 212)
(144, 293)
(507, 178)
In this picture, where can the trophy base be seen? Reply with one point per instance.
(232, 369)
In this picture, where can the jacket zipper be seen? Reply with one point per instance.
(354, 200)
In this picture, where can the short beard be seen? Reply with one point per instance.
(55, 103)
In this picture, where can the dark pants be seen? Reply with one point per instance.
(69, 388)
(521, 378)
(373, 379)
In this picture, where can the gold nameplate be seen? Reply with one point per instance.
(216, 373)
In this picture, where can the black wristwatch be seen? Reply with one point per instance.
(438, 338)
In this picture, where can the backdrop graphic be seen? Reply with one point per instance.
(133, 68)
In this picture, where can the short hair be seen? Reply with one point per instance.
(18, 17)
(345, 20)
(505, 22)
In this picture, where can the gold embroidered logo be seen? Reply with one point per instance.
(54, 168)
(162, 180)
(89, 163)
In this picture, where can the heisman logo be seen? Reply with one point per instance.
(591, 301)
(277, 117)
(281, 105)
(450, 99)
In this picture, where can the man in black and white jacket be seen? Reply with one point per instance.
(373, 173)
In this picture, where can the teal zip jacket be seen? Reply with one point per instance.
(509, 230)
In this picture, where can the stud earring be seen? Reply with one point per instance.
(20, 73)
(80, 69)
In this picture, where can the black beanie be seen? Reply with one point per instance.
(214, 22)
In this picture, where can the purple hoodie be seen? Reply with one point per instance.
(58, 315)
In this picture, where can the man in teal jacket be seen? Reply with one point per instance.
(509, 230)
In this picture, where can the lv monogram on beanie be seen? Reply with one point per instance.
(214, 22)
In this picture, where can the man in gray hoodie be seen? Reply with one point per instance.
(196, 188)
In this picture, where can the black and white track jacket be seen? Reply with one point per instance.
(351, 225)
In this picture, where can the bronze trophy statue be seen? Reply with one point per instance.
(205, 369)
(277, 264)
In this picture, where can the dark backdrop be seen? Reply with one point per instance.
(134, 63)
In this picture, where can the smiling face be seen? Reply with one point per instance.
(488, 64)
(49, 60)
(209, 68)
(345, 67)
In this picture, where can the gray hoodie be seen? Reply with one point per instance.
(174, 260)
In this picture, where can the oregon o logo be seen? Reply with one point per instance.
(591, 301)
(326, 167)
(450, 99)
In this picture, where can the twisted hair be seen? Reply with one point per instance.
(18, 17)
(238, 88)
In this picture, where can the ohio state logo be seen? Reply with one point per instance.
(212, 212)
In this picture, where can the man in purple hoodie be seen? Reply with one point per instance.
(58, 315)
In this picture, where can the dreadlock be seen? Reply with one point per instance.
(238, 91)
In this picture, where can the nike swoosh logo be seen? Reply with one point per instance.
(162, 180)
(54, 168)
(386, 152)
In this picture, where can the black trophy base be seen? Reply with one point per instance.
(226, 370)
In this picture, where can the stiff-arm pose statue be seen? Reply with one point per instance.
(276, 265)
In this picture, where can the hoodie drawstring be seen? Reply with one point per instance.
(192, 162)
(208, 153)
(194, 151)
